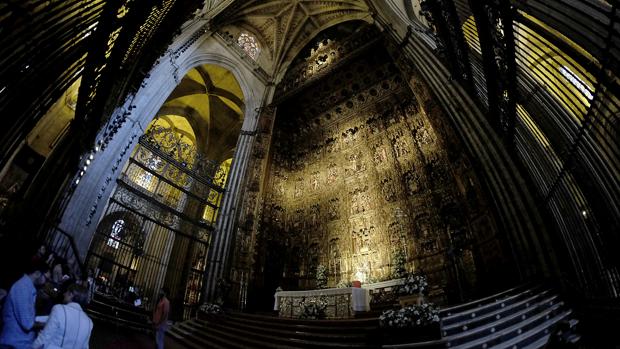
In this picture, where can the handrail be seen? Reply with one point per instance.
(72, 245)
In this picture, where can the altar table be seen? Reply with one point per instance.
(342, 303)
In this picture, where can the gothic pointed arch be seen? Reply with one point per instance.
(171, 189)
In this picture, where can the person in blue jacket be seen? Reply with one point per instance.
(18, 312)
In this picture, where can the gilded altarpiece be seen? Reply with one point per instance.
(358, 172)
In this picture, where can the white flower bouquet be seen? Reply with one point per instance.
(421, 315)
(413, 284)
(211, 309)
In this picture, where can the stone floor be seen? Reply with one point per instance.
(106, 336)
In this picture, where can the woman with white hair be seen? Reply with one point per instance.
(68, 326)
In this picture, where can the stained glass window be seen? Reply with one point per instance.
(576, 81)
(249, 44)
(115, 233)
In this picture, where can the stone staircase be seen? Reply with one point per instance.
(521, 317)
(238, 330)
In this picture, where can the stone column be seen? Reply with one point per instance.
(219, 249)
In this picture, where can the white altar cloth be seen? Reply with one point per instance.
(360, 297)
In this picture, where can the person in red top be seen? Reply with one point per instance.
(160, 318)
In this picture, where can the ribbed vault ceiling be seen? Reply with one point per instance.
(210, 98)
(286, 26)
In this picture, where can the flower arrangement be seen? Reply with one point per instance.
(321, 276)
(344, 284)
(413, 284)
(211, 309)
(399, 260)
(313, 308)
(421, 315)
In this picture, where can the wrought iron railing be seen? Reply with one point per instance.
(63, 245)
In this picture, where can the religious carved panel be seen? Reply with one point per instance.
(363, 173)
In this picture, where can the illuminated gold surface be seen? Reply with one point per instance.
(52, 126)
(210, 211)
(545, 63)
(352, 184)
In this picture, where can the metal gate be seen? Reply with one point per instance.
(156, 228)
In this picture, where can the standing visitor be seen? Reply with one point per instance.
(3, 294)
(57, 272)
(18, 312)
(68, 325)
(51, 257)
(39, 256)
(160, 318)
(90, 283)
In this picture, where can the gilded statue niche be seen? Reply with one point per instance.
(332, 173)
(412, 181)
(389, 190)
(333, 209)
(356, 163)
